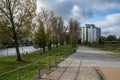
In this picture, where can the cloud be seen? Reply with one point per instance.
(110, 24)
(109, 20)
(86, 9)
(99, 5)
(60, 1)
(75, 12)
(80, 13)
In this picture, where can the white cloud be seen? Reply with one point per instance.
(75, 12)
(60, 1)
(109, 20)
(99, 5)
(80, 13)
(110, 24)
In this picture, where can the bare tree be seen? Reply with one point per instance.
(74, 31)
(54, 25)
(19, 14)
(61, 31)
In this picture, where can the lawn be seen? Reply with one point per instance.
(107, 47)
(30, 64)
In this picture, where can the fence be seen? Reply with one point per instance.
(30, 71)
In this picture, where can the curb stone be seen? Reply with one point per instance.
(102, 76)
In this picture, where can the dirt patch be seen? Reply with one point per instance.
(110, 73)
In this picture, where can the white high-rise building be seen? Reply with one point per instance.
(90, 33)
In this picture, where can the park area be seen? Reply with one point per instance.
(32, 64)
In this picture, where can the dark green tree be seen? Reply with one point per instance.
(102, 40)
(111, 38)
(46, 16)
(39, 39)
(4, 33)
(118, 40)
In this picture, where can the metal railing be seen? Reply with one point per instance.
(30, 71)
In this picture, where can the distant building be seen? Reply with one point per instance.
(90, 33)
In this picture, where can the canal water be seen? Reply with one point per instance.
(12, 51)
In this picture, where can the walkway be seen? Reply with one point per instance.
(73, 68)
(86, 64)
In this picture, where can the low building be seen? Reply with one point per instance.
(90, 33)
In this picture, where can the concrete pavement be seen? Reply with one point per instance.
(82, 66)
(72, 69)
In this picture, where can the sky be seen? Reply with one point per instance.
(103, 13)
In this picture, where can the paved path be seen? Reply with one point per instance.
(92, 57)
(82, 65)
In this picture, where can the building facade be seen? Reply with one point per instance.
(90, 33)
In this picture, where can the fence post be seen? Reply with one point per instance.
(62, 56)
(19, 73)
(55, 58)
(66, 53)
(39, 70)
(49, 63)
(59, 57)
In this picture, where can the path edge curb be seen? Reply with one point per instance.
(102, 76)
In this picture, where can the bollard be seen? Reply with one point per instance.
(19, 73)
(39, 70)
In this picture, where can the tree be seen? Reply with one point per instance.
(39, 39)
(46, 18)
(102, 39)
(54, 26)
(111, 38)
(4, 38)
(118, 40)
(61, 31)
(74, 31)
(19, 15)
(67, 37)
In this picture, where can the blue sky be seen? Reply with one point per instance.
(103, 13)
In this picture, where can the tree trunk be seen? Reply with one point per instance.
(49, 47)
(43, 49)
(17, 48)
(18, 53)
(60, 43)
(16, 45)
(56, 45)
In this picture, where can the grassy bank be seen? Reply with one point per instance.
(9, 62)
(107, 47)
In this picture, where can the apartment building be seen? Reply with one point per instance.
(90, 33)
